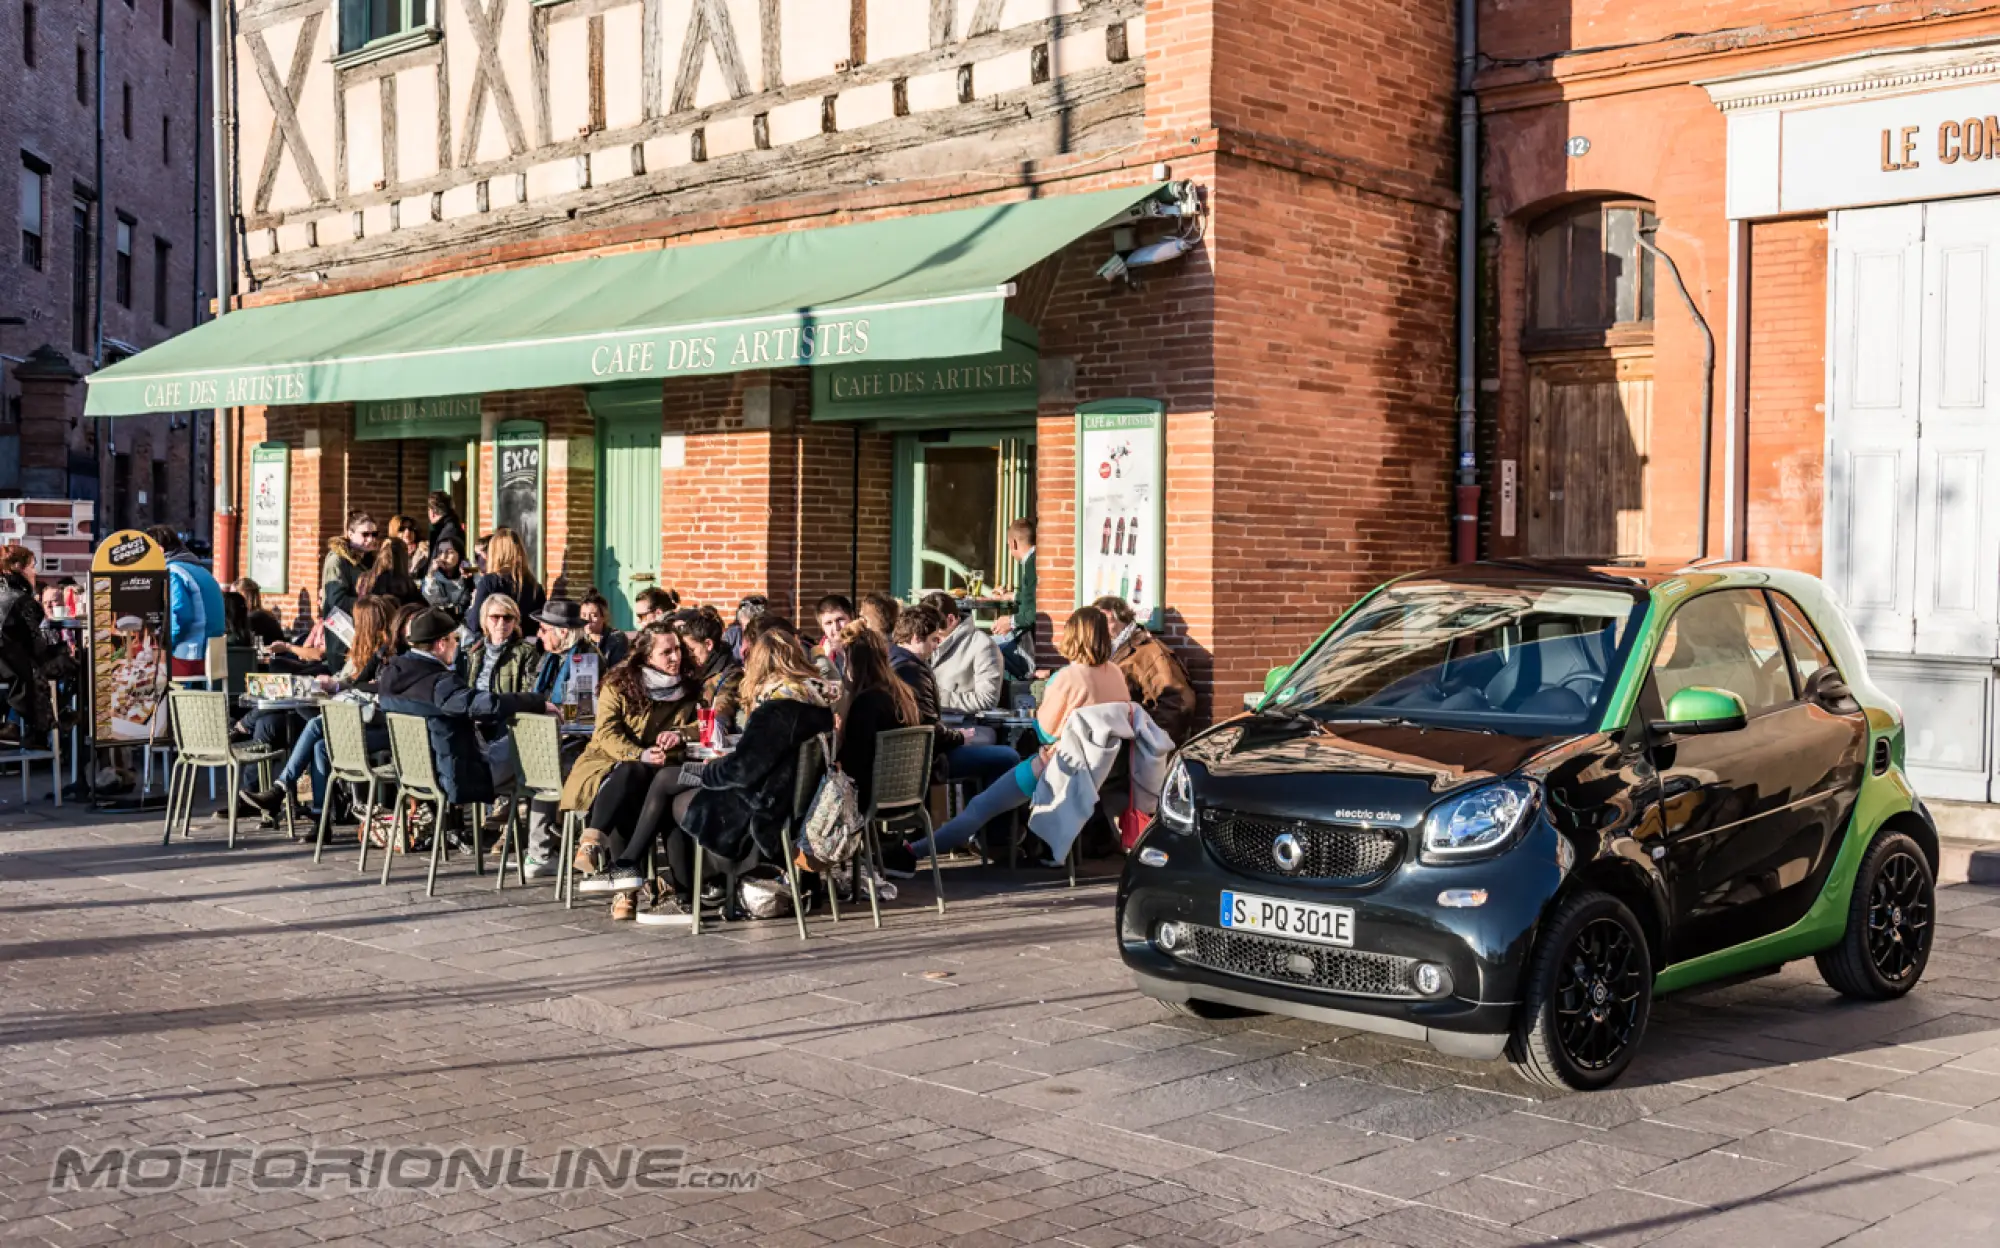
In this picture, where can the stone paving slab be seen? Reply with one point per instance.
(988, 1078)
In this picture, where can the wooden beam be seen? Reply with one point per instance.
(389, 175)
(283, 95)
(709, 26)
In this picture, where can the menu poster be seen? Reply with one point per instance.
(517, 485)
(128, 637)
(1121, 504)
(270, 506)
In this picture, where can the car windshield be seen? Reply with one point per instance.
(1521, 659)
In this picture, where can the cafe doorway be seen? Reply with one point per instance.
(955, 494)
(451, 472)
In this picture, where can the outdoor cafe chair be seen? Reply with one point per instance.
(347, 758)
(27, 755)
(200, 722)
(812, 766)
(417, 781)
(901, 791)
(538, 750)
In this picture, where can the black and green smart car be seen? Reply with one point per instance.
(1501, 807)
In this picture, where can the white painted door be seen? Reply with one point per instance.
(1872, 459)
(1958, 468)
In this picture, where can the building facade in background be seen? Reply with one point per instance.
(1244, 433)
(1828, 184)
(96, 266)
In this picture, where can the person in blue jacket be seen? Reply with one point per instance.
(194, 606)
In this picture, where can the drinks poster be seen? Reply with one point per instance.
(128, 637)
(517, 485)
(1121, 504)
(270, 506)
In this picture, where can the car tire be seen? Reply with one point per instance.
(1891, 920)
(1588, 996)
(1213, 1010)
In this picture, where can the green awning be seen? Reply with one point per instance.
(901, 289)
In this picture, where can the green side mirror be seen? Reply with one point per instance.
(1274, 678)
(1697, 709)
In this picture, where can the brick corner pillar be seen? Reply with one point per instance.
(48, 391)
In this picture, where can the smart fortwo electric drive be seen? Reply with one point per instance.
(1501, 807)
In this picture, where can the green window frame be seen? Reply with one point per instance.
(1016, 492)
(379, 27)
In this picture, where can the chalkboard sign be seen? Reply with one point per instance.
(518, 456)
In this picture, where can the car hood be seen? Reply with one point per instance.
(1348, 772)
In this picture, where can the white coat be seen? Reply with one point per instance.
(1067, 792)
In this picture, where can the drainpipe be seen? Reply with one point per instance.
(195, 291)
(225, 284)
(1465, 520)
(1707, 383)
(97, 211)
(854, 524)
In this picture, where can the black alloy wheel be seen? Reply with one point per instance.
(1587, 995)
(1899, 917)
(1598, 1008)
(1890, 923)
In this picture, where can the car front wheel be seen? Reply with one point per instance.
(1588, 995)
(1889, 923)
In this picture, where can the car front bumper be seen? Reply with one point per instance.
(1398, 924)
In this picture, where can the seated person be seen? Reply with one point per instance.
(560, 630)
(716, 670)
(735, 636)
(1089, 679)
(424, 681)
(956, 756)
(263, 625)
(611, 644)
(309, 755)
(445, 585)
(879, 611)
(833, 613)
(967, 662)
(1153, 673)
(878, 701)
(654, 606)
(500, 660)
(746, 796)
(628, 775)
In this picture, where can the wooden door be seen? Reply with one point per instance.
(1590, 420)
(628, 511)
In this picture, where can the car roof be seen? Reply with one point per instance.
(1634, 574)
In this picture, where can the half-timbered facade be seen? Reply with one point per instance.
(800, 296)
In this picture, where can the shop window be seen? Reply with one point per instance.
(122, 272)
(363, 22)
(33, 174)
(1588, 278)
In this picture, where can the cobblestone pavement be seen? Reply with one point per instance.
(990, 1078)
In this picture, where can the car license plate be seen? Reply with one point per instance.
(1299, 920)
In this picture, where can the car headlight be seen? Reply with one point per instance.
(1177, 799)
(1479, 823)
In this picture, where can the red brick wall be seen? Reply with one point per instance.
(1787, 427)
(1333, 435)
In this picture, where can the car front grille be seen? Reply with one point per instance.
(1334, 853)
(1275, 960)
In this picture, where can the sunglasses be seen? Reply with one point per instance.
(368, 535)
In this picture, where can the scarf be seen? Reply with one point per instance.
(661, 687)
(1118, 642)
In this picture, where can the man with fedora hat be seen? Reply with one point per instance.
(424, 680)
(564, 643)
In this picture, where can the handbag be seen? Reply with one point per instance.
(1132, 822)
(830, 834)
